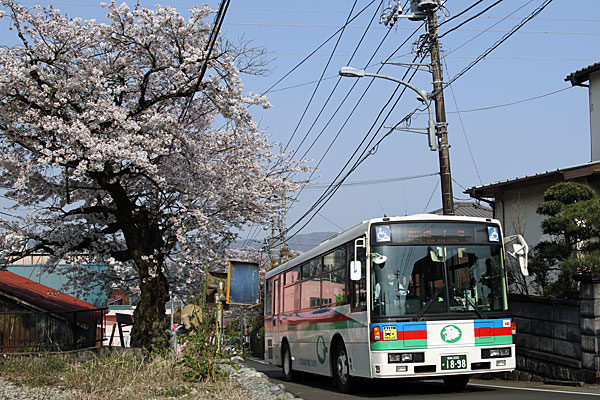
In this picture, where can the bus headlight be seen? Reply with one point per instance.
(394, 358)
(496, 353)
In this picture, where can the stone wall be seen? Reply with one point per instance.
(549, 338)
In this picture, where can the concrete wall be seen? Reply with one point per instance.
(548, 338)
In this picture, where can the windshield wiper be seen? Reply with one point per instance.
(478, 310)
(428, 304)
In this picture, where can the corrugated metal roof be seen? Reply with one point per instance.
(564, 173)
(583, 74)
(38, 295)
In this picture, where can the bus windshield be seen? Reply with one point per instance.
(416, 280)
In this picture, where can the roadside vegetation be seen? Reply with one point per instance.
(571, 245)
(118, 376)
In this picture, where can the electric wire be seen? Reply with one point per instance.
(212, 39)
(513, 102)
(330, 221)
(367, 152)
(329, 97)
(461, 13)
(487, 58)
(437, 184)
(328, 193)
(351, 113)
(523, 22)
(461, 186)
(315, 50)
(325, 193)
(462, 125)
(470, 19)
(504, 38)
(374, 181)
(488, 29)
(318, 84)
(322, 200)
(381, 42)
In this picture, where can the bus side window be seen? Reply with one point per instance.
(269, 297)
(358, 289)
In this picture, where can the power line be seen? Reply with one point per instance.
(330, 95)
(513, 102)
(330, 221)
(461, 13)
(282, 25)
(455, 181)
(463, 127)
(212, 39)
(381, 42)
(319, 83)
(500, 41)
(325, 193)
(488, 28)
(328, 194)
(437, 184)
(314, 51)
(470, 18)
(473, 57)
(296, 11)
(374, 181)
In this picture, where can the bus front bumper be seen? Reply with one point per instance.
(441, 362)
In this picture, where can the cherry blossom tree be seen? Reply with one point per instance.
(118, 149)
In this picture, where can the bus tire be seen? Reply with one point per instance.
(341, 370)
(456, 382)
(286, 364)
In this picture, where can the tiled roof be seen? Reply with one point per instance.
(469, 209)
(553, 176)
(583, 74)
(38, 295)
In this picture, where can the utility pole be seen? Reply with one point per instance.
(426, 10)
(440, 114)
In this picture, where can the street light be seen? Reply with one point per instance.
(359, 73)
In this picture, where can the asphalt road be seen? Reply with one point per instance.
(310, 387)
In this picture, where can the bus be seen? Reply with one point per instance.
(422, 296)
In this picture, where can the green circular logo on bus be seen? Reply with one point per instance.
(321, 349)
(451, 334)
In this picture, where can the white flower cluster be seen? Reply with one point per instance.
(109, 138)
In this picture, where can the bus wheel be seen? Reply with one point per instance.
(456, 382)
(341, 370)
(288, 372)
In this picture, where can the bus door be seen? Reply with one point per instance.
(276, 320)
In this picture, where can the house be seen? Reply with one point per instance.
(514, 201)
(35, 317)
(32, 267)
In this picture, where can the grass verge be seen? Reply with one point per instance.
(115, 376)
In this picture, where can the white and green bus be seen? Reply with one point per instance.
(422, 296)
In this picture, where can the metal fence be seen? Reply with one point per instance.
(51, 331)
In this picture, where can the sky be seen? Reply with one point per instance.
(511, 114)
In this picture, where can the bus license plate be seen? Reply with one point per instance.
(454, 362)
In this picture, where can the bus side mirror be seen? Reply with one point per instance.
(520, 251)
(355, 269)
(355, 266)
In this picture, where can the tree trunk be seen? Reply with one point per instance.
(150, 324)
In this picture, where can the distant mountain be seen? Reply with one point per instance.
(302, 242)
(307, 241)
